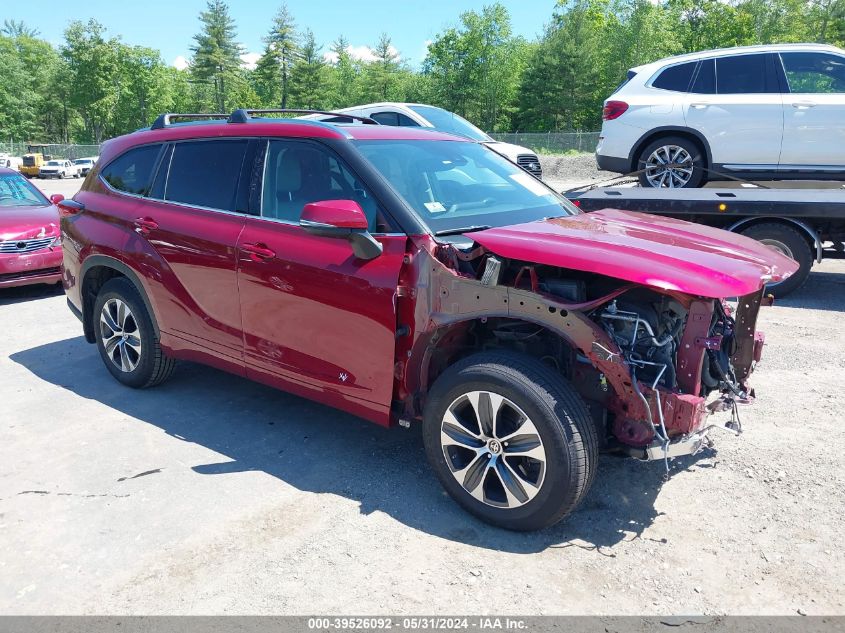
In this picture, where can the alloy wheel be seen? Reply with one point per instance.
(493, 449)
(120, 335)
(669, 166)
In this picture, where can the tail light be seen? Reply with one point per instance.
(613, 110)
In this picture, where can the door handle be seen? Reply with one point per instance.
(258, 252)
(803, 105)
(699, 106)
(145, 225)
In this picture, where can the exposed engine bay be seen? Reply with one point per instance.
(651, 364)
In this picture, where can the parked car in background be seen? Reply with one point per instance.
(757, 112)
(12, 162)
(30, 242)
(85, 165)
(421, 115)
(59, 168)
(410, 276)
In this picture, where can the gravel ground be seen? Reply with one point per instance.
(211, 495)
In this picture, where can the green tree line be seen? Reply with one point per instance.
(94, 86)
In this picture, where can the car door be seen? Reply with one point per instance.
(735, 103)
(192, 222)
(814, 111)
(317, 320)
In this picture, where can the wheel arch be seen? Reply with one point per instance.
(669, 130)
(804, 229)
(95, 272)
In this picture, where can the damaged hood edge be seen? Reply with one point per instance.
(655, 251)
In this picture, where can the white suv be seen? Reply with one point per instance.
(756, 112)
(421, 115)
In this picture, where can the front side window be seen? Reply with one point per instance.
(17, 191)
(206, 173)
(453, 185)
(676, 77)
(743, 74)
(132, 172)
(814, 73)
(298, 172)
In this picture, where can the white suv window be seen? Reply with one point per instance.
(814, 73)
(744, 74)
(676, 78)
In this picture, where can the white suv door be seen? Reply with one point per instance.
(735, 102)
(814, 111)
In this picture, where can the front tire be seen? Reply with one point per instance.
(787, 241)
(510, 440)
(685, 156)
(126, 339)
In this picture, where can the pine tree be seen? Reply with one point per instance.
(280, 53)
(344, 75)
(216, 54)
(307, 74)
(383, 73)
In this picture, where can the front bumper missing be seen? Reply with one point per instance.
(691, 443)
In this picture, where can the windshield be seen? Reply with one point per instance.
(53, 163)
(17, 191)
(455, 185)
(82, 161)
(445, 121)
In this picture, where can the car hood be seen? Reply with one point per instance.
(24, 223)
(654, 251)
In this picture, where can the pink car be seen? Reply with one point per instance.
(30, 242)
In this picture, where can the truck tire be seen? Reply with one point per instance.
(787, 241)
(671, 149)
(126, 338)
(510, 440)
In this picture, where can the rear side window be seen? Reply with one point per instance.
(704, 82)
(205, 173)
(814, 73)
(743, 74)
(675, 78)
(385, 118)
(132, 172)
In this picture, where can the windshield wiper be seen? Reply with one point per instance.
(464, 229)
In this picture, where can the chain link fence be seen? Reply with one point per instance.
(56, 150)
(552, 142)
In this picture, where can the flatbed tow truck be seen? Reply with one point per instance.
(808, 224)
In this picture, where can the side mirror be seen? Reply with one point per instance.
(343, 219)
(56, 198)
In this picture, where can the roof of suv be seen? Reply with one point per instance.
(281, 128)
(722, 52)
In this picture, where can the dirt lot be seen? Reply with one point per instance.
(211, 494)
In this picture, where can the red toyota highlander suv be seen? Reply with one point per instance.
(411, 276)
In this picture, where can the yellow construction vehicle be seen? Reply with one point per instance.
(35, 157)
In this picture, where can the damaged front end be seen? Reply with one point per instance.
(658, 368)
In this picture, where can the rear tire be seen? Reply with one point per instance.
(126, 338)
(671, 149)
(787, 241)
(477, 443)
